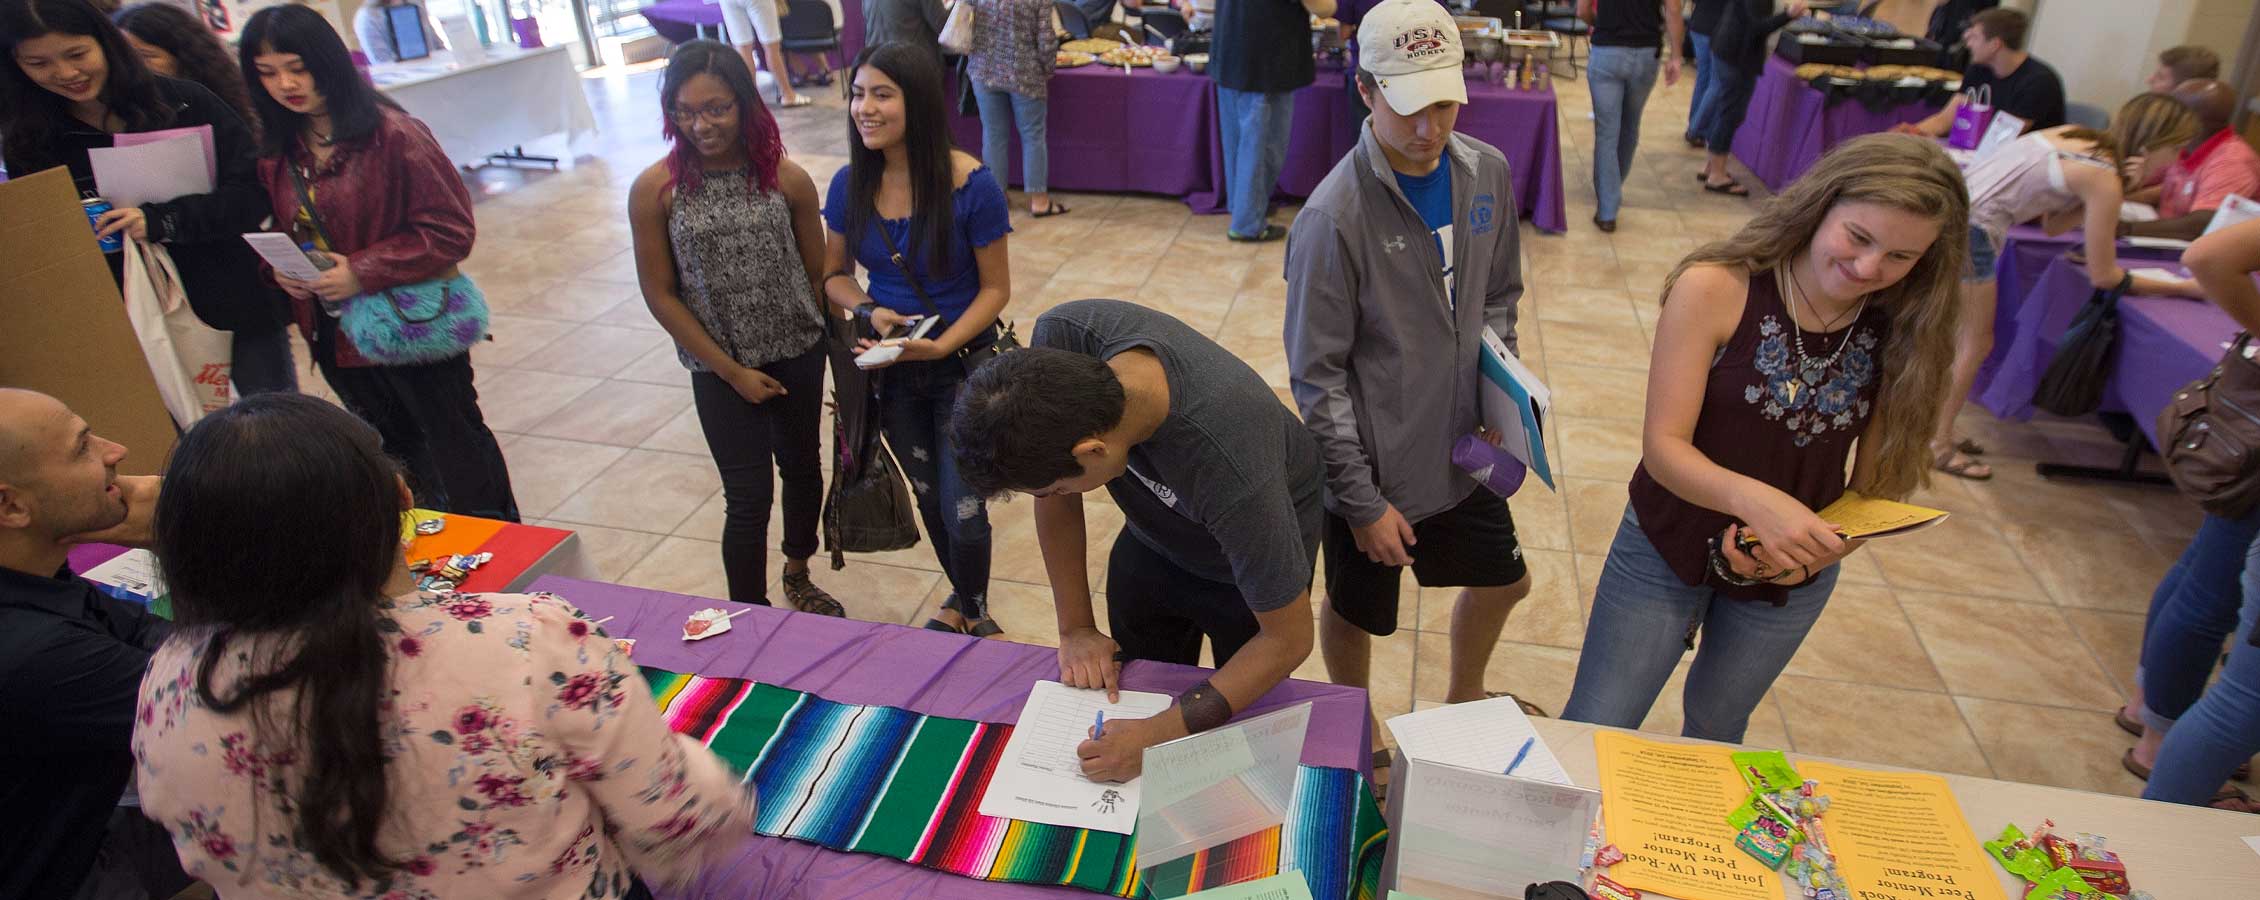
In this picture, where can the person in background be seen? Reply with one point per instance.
(1255, 100)
(2198, 735)
(317, 727)
(751, 22)
(174, 44)
(1700, 24)
(372, 24)
(1738, 45)
(2216, 163)
(914, 22)
(2019, 83)
(1626, 36)
(2066, 177)
(1828, 320)
(1394, 497)
(1221, 493)
(71, 660)
(1949, 20)
(70, 84)
(388, 210)
(729, 238)
(1014, 52)
(928, 221)
(2184, 63)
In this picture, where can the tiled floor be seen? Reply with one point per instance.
(1996, 644)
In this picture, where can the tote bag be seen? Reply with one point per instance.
(957, 32)
(191, 361)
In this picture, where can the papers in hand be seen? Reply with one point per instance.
(2154, 243)
(2235, 209)
(1515, 404)
(1484, 735)
(131, 174)
(1040, 779)
(283, 253)
(1862, 517)
(1218, 786)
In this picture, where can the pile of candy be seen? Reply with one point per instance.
(2080, 867)
(1780, 825)
(443, 574)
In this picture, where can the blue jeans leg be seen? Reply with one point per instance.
(1642, 619)
(261, 362)
(2223, 729)
(1620, 79)
(2192, 610)
(915, 403)
(1730, 104)
(1031, 114)
(1254, 129)
(1703, 70)
(996, 132)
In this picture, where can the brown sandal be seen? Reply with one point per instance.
(809, 598)
(1958, 464)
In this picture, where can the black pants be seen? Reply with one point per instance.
(744, 437)
(136, 861)
(1160, 612)
(430, 420)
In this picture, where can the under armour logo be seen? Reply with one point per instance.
(1394, 245)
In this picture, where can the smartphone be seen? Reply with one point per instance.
(890, 349)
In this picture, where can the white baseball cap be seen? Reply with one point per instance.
(1412, 48)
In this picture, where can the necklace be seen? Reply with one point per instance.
(1785, 281)
(320, 139)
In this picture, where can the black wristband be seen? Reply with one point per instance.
(1203, 707)
(863, 311)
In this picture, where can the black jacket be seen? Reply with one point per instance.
(221, 274)
(1740, 38)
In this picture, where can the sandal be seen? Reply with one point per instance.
(1056, 209)
(2231, 799)
(941, 626)
(1970, 447)
(1731, 188)
(796, 102)
(1958, 464)
(984, 628)
(2243, 771)
(809, 598)
(2126, 723)
(1528, 708)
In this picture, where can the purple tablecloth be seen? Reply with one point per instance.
(679, 21)
(1791, 124)
(2025, 346)
(1109, 131)
(2164, 343)
(924, 671)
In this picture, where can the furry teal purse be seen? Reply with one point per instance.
(419, 323)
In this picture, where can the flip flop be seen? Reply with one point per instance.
(2126, 723)
(1960, 468)
(1056, 209)
(1528, 708)
(2231, 795)
(1731, 188)
(1970, 447)
(797, 102)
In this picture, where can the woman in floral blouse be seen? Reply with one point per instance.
(1014, 50)
(316, 727)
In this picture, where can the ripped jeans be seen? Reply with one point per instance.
(915, 400)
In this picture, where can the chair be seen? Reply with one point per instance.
(1561, 19)
(1071, 18)
(809, 28)
(1162, 24)
(2087, 115)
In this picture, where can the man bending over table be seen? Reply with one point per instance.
(1221, 495)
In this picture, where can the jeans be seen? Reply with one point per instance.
(262, 363)
(2192, 610)
(744, 437)
(429, 418)
(1700, 101)
(1731, 89)
(1000, 111)
(1644, 618)
(2222, 730)
(915, 399)
(1254, 127)
(1620, 79)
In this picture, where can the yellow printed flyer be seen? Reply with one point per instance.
(1901, 836)
(1665, 806)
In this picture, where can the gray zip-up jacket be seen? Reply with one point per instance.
(1382, 357)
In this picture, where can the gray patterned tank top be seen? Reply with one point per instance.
(738, 269)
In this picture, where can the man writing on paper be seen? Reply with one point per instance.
(1221, 495)
(1402, 258)
(2214, 165)
(71, 661)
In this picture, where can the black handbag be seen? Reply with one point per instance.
(973, 356)
(2073, 384)
(867, 509)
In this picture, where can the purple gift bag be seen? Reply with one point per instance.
(1970, 120)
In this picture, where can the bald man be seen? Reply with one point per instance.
(71, 660)
(2214, 165)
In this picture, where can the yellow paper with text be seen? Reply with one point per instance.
(1901, 836)
(1665, 806)
(1857, 516)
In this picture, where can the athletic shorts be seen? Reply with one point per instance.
(1470, 545)
(751, 21)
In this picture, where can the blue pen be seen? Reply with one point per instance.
(1519, 754)
(1098, 728)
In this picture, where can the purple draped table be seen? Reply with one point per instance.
(2024, 348)
(1791, 124)
(680, 21)
(2025, 253)
(922, 671)
(2164, 343)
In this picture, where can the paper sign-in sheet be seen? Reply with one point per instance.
(1040, 779)
(1483, 735)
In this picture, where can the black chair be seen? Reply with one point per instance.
(1071, 18)
(809, 28)
(1162, 24)
(1561, 19)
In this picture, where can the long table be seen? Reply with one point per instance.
(924, 671)
(509, 100)
(1791, 124)
(2143, 373)
(2172, 851)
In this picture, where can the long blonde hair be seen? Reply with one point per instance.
(2146, 124)
(1905, 173)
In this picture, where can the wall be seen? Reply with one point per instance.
(2105, 48)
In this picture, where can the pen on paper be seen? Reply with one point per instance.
(1098, 726)
(1519, 754)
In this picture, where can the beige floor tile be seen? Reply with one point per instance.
(1619, 345)
(1541, 517)
(2008, 651)
(597, 350)
(516, 337)
(683, 566)
(1024, 611)
(612, 551)
(1393, 672)
(1540, 674)
(706, 523)
(1860, 568)
(873, 593)
(1201, 305)
(1252, 331)
(517, 400)
(2047, 745)
(1863, 637)
(1868, 723)
(619, 268)
(659, 366)
(1595, 392)
(1596, 508)
(629, 313)
(1961, 556)
(622, 413)
(2093, 568)
(1608, 449)
(544, 471)
(645, 491)
(570, 301)
(681, 434)
(1551, 614)
(2116, 639)
(1574, 304)
(1015, 554)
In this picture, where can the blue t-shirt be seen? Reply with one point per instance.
(981, 215)
(1431, 196)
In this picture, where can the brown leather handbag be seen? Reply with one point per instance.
(2210, 435)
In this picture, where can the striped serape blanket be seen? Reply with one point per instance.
(876, 779)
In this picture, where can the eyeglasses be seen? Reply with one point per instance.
(712, 112)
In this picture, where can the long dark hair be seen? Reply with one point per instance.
(314, 485)
(757, 129)
(30, 115)
(355, 107)
(203, 59)
(925, 134)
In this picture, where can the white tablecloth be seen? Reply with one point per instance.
(511, 99)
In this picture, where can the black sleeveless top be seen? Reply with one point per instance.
(1769, 413)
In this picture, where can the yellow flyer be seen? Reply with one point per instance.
(1665, 806)
(1901, 836)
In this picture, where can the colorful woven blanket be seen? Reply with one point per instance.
(875, 779)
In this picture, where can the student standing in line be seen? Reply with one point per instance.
(1404, 256)
(1700, 24)
(729, 239)
(1621, 72)
(1220, 490)
(1257, 75)
(1827, 320)
(928, 221)
(1739, 47)
(389, 211)
(1014, 52)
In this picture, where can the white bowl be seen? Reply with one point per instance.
(1165, 64)
(1196, 61)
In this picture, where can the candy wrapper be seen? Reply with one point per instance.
(627, 646)
(2099, 867)
(1604, 889)
(706, 623)
(1767, 771)
(2063, 884)
(1764, 831)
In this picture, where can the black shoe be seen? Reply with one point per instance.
(1695, 142)
(1270, 233)
(1607, 225)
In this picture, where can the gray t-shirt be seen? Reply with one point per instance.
(1230, 487)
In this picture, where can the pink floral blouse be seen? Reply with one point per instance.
(527, 760)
